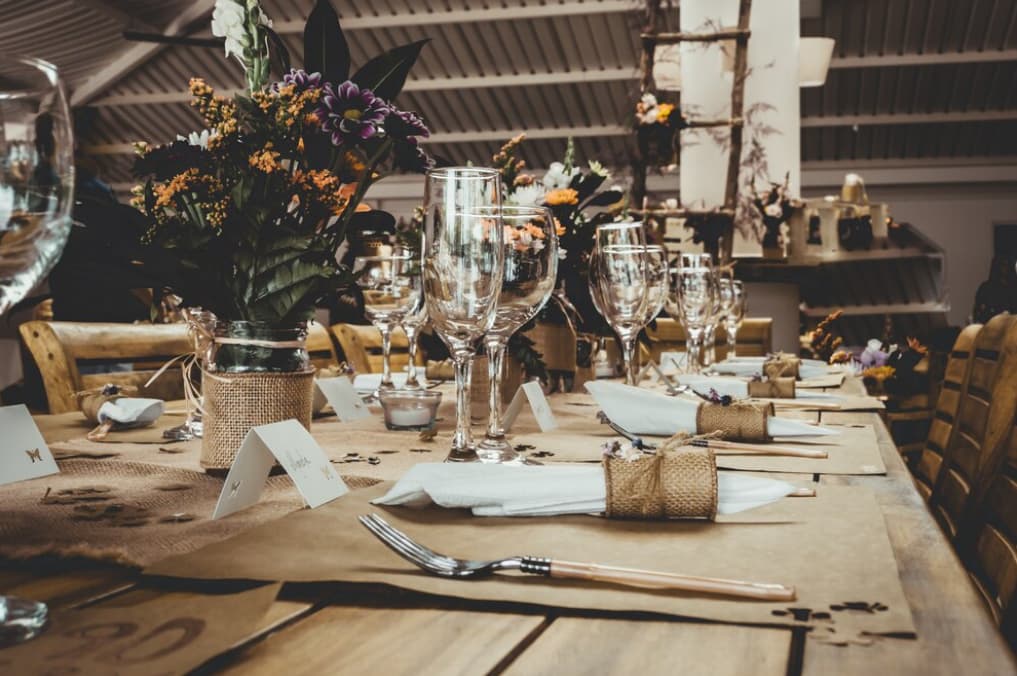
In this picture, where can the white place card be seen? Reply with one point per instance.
(539, 404)
(674, 360)
(23, 452)
(340, 393)
(652, 368)
(298, 453)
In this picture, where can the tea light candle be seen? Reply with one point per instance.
(409, 417)
(409, 409)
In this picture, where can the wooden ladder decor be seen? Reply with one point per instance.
(720, 220)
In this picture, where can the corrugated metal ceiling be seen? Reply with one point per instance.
(911, 78)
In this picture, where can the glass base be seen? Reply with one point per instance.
(191, 429)
(498, 451)
(20, 619)
(467, 454)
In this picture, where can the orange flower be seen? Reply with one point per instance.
(561, 196)
(559, 229)
(266, 160)
(664, 112)
(917, 346)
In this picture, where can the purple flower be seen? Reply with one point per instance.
(302, 79)
(349, 113)
(406, 125)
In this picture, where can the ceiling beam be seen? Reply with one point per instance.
(418, 85)
(927, 59)
(908, 118)
(137, 54)
(459, 16)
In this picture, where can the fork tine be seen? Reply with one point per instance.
(402, 537)
(399, 547)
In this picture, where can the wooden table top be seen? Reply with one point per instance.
(322, 629)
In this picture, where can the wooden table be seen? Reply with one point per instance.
(321, 629)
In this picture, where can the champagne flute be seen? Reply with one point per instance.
(735, 314)
(412, 323)
(531, 269)
(721, 304)
(658, 282)
(392, 288)
(624, 289)
(696, 288)
(463, 259)
(36, 193)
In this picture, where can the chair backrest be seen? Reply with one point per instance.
(61, 351)
(943, 426)
(987, 533)
(754, 338)
(361, 347)
(983, 422)
(320, 346)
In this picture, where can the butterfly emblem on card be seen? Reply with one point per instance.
(35, 455)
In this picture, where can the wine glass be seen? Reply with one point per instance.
(392, 288)
(463, 260)
(412, 323)
(36, 175)
(36, 193)
(721, 305)
(624, 289)
(200, 325)
(531, 269)
(735, 314)
(658, 282)
(696, 289)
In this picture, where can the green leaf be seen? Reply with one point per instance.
(604, 199)
(278, 55)
(325, 47)
(386, 74)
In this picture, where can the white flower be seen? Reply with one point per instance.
(773, 210)
(229, 20)
(647, 111)
(874, 345)
(526, 195)
(199, 139)
(599, 169)
(556, 176)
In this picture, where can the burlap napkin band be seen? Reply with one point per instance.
(775, 388)
(781, 366)
(679, 484)
(739, 421)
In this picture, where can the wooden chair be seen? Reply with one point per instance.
(361, 347)
(755, 338)
(983, 422)
(320, 347)
(943, 426)
(59, 348)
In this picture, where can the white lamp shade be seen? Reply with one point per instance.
(667, 70)
(814, 56)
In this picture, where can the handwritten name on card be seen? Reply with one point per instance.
(289, 443)
(541, 407)
(340, 393)
(23, 452)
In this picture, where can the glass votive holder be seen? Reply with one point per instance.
(410, 409)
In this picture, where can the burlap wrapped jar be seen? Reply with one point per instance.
(255, 374)
(557, 345)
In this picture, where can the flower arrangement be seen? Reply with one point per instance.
(892, 369)
(823, 341)
(571, 193)
(251, 211)
(657, 125)
(775, 207)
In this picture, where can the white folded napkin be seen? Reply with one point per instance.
(641, 411)
(547, 490)
(753, 366)
(734, 386)
(131, 411)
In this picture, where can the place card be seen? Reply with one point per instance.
(675, 360)
(539, 404)
(651, 367)
(296, 450)
(340, 393)
(23, 452)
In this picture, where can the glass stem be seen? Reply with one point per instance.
(709, 345)
(694, 349)
(732, 339)
(463, 439)
(411, 369)
(386, 350)
(495, 360)
(629, 358)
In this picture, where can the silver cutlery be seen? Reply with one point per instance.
(447, 566)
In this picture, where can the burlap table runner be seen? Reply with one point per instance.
(128, 512)
(773, 388)
(833, 548)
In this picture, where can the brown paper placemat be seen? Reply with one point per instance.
(833, 548)
(844, 402)
(172, 633)
(31, 528)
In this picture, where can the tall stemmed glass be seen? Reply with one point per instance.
(412, 323)
(721, 305)
(624, 288)
(36, 189)
(392, 288)
(735, 314)
(658, 282)
(531, 268)
(463, 260)
(696, 288)
(620, 313)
